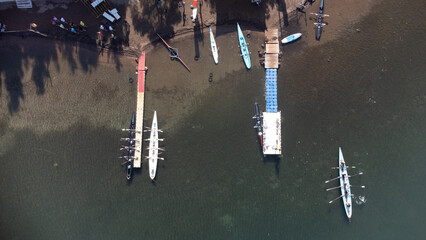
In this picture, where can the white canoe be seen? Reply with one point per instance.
(345, 187)
(291, 38)
(153, 148)
(214, 47)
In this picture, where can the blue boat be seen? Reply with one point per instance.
(320, 20)
(291, 38)
(243, 47)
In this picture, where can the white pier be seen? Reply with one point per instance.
(137, 162)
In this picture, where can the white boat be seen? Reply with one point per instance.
(153, 148)
(345, 187)
(214, 47)
(291, 38)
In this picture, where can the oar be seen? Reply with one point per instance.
(339, 177)
(335, 199)
(328, 189)
(346, 167)
(341, 186)
(332, 179)
(356, 174)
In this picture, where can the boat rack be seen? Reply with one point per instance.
(96, 7)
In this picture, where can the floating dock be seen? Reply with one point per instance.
(272, 117)
(137, 162)
(272, 49)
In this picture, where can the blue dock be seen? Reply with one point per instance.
(272, 117)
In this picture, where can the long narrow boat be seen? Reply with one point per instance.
(258, 123)
(320, 19)
(345, 187)
(130, 151)
(214, 47)
(173, 53)
(153, 148)
(243, 47)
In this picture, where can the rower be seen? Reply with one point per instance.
(348, 204)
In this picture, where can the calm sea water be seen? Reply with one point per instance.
(369, 99)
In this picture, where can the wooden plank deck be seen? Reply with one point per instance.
(139, 112)
(272, 49)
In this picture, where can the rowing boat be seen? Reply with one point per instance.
(320, 21)
(291, 38)
(243, 47)
(173, 53)
(214, 47)
(130, 152)
(345, 187)
(258, 125)
(153, 148)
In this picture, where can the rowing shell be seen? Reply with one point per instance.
(130, 153)
(243, 47)
(291, 38)
(173, 53)
(153, 148)
(214, 47)
(345, 186)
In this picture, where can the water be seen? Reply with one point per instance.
(63, 181)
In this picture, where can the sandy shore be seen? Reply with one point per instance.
(145, 20)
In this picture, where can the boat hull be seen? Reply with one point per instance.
(214, 47)
(320, 20)
(130, 153)
(258, 124)
(291, 38)
(345, 186)
(243, 47)
(153, 148)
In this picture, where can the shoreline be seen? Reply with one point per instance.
(194, 88)
(140, 39)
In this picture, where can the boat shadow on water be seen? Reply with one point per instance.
(275, 160)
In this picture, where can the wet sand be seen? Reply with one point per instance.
(83, 58)
(95, 86)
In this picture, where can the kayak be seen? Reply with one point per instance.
(214, 47)
(291, 38)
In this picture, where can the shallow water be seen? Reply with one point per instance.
(369, 99)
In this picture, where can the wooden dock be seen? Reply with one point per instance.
(137, 162)
(272, 49)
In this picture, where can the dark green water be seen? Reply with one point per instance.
(370, 100)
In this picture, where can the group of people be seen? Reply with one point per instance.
(69, 26)
(3, 27)
(103, 31)
(345, 184)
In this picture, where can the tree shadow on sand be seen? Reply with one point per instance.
(156, 19)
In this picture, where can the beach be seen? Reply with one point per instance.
(64, 101)
(75, 49)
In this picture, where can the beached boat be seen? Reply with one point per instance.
(320, 20)
(130, 148)
(243, 47)
(153, 148)
(214, 47)
(173, 53)
(291, 38)
(258, 123)
(345, 187)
